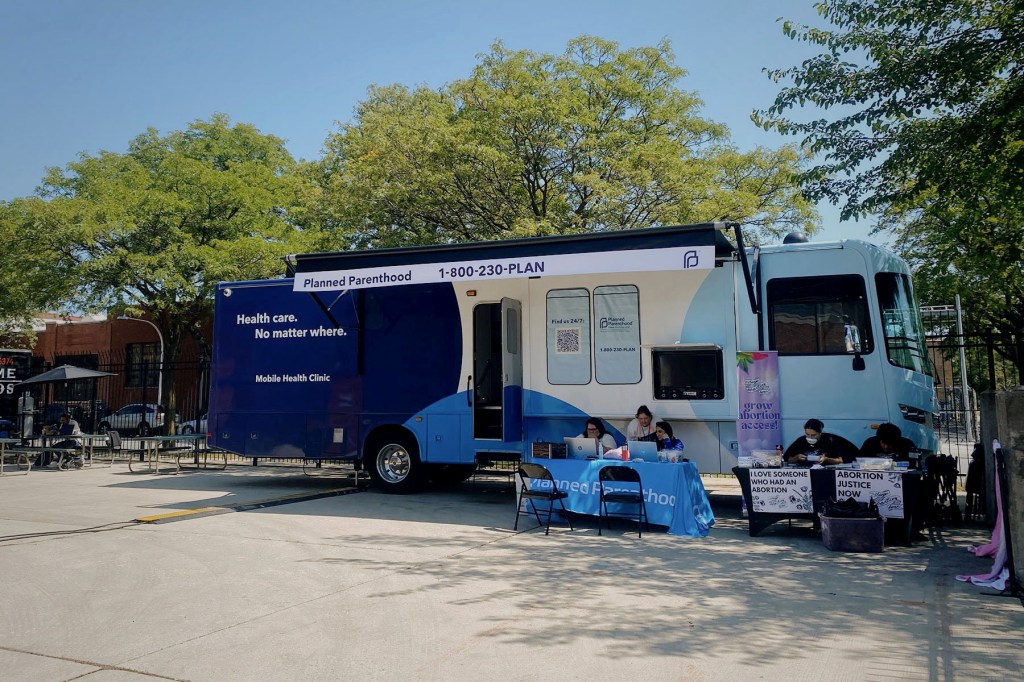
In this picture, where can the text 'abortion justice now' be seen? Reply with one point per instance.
(287, 332)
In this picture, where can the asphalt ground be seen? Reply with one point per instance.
(273, 575)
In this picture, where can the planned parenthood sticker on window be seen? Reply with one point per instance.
(781, 491)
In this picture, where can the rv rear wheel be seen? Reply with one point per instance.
(395, 464)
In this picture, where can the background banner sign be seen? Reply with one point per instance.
(886, 487)
(781, 491)
(758, 426)
(638, 260)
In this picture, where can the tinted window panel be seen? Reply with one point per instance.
(825, 315)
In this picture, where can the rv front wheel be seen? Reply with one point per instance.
(396, 466)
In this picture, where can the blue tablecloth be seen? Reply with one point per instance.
(674, 493)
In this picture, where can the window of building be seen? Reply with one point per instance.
(617, 334)
(901, 324)
(824, 315)
(568, 336)
(142, 365)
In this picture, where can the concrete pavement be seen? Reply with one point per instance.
(436, 586)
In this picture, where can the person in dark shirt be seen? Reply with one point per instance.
(666, 439)
(818, 447)
(888, 441)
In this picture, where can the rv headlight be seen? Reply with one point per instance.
(913, 414)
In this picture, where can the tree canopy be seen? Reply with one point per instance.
(927, 132)
(531, 144)
(151, 231)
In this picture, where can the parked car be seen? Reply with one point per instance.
(137, 418)
(193, 426)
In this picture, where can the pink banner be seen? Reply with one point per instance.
(758, 426)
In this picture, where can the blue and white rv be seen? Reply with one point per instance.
(420, 362)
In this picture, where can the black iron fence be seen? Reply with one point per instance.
(136, 397)
(965, 365)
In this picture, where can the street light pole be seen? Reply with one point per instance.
(160, 374)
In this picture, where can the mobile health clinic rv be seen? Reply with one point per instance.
(420, 362)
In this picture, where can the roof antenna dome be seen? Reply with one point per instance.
(798, 237)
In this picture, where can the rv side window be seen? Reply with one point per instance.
(904, 338)
(826, 315)
(568, 336)
(617, 334)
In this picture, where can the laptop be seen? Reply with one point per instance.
(581, 448)
(645, 450)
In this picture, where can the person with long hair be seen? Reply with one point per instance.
(642, 426)
(594, 428)
(666, 439)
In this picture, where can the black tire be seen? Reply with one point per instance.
(104, 427)
(444, 475)
(187, 430)
(394, 463)
(143, 429)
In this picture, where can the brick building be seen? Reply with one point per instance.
(130, 350)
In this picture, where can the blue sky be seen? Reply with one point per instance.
(84, 76)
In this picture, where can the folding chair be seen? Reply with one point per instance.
(530, 490)
(114, 443)
(622, 474)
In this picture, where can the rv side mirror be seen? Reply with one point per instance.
(858, 363)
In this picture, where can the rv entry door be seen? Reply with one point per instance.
(497, 371)
(512, 369)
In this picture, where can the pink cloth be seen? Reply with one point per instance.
(995, 547)
(991, 547)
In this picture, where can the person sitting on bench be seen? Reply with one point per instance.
(66, 427)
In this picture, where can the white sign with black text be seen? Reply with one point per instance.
(885, 487)
(635, 260)
(781, 491)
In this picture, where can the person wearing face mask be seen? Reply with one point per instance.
(818, 447)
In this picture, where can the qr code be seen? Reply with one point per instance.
(567, 340)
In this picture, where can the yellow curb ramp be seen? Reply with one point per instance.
(179, 515)
(185, 514)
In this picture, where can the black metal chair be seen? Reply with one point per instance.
(114, 444)
(618, 495)
(539, 484)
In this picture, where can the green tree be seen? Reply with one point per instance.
(531, 144)
(151, 231)
(927, 132)
(31, 278)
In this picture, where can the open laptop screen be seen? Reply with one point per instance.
(581, 448)
(644, 450)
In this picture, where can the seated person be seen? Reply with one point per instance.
(818, 447)
(594, 428)
(666, 440)
(66, 427)
(643, 425)
(888, 441)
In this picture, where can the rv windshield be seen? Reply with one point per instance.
(901, 323)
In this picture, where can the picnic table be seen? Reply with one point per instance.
(22, 460)
(170, 450)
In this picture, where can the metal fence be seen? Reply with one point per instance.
(966, 364)
(117, 401)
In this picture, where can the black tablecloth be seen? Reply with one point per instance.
(823, 488)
